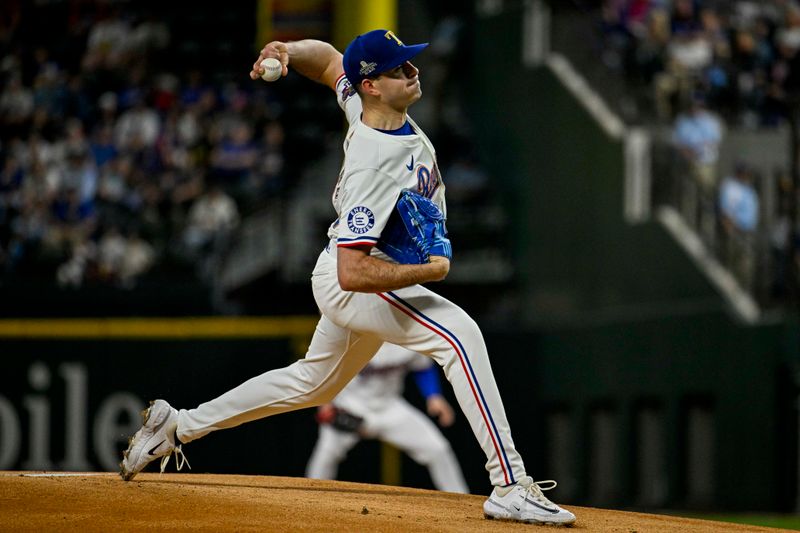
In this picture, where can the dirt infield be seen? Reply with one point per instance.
(202, 502)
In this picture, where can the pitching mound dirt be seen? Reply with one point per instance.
(102, 502)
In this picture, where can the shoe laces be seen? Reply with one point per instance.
(536, 487)
(180, 459)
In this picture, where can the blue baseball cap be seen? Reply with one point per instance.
(375, 52)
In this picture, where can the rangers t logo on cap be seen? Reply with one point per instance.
(390, 35)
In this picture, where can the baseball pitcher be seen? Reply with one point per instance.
(369, 293)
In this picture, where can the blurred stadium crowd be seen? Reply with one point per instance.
(708, 69)
(742, 54)
(113, 163)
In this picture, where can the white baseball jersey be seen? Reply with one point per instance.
(354, 325)
(376, 167)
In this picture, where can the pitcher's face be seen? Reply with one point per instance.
(399, 87)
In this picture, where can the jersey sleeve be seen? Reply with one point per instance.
(368, 197)
(348, 99)
(428, 381)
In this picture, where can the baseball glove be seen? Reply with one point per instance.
(339, 418)
(415, 230)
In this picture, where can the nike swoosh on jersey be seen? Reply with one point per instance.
(410, 166)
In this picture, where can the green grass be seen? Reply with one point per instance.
(765, 520)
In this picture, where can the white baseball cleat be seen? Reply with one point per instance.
(524, 502)
(156, 438)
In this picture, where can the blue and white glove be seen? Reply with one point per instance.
(415, 230)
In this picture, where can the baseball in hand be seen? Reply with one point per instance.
(272, 69)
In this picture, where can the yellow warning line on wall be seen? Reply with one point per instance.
(158, 328)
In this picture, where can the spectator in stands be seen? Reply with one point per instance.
(49, 90)
(716, 76)
(648, 56)
(108, 44)
(150, 37)
(73, 272)
(80, 174)
(107, 105)
(268, 177)
(783, 92)
(684, 16)
(29, 229)
(172, 153)
(228, 113)
(188, 129)
(235, 157)
(193, 89)
(137, 128)
(689, 54)
(697, 135)
(211, 219)
(112, 189)
(739, 213)
(76, 100)
(73, 220)
(150, 217)
(111, 250)
(16, 104)
(623, 22)
(789, 34)
(165, 92)
(749, 65)
(186, 188)
(102, 146)
(138, 260)
(11, 177)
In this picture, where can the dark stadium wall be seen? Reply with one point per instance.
(72, 404)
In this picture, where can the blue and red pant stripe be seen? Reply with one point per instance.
(477, 393)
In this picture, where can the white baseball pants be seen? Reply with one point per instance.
(352, 328)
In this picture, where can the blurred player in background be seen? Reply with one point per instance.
(372, 406)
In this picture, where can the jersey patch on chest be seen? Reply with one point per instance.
(360, 220)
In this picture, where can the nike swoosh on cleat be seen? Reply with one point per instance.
(154, 448)
(410, 166)
(554, 511)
